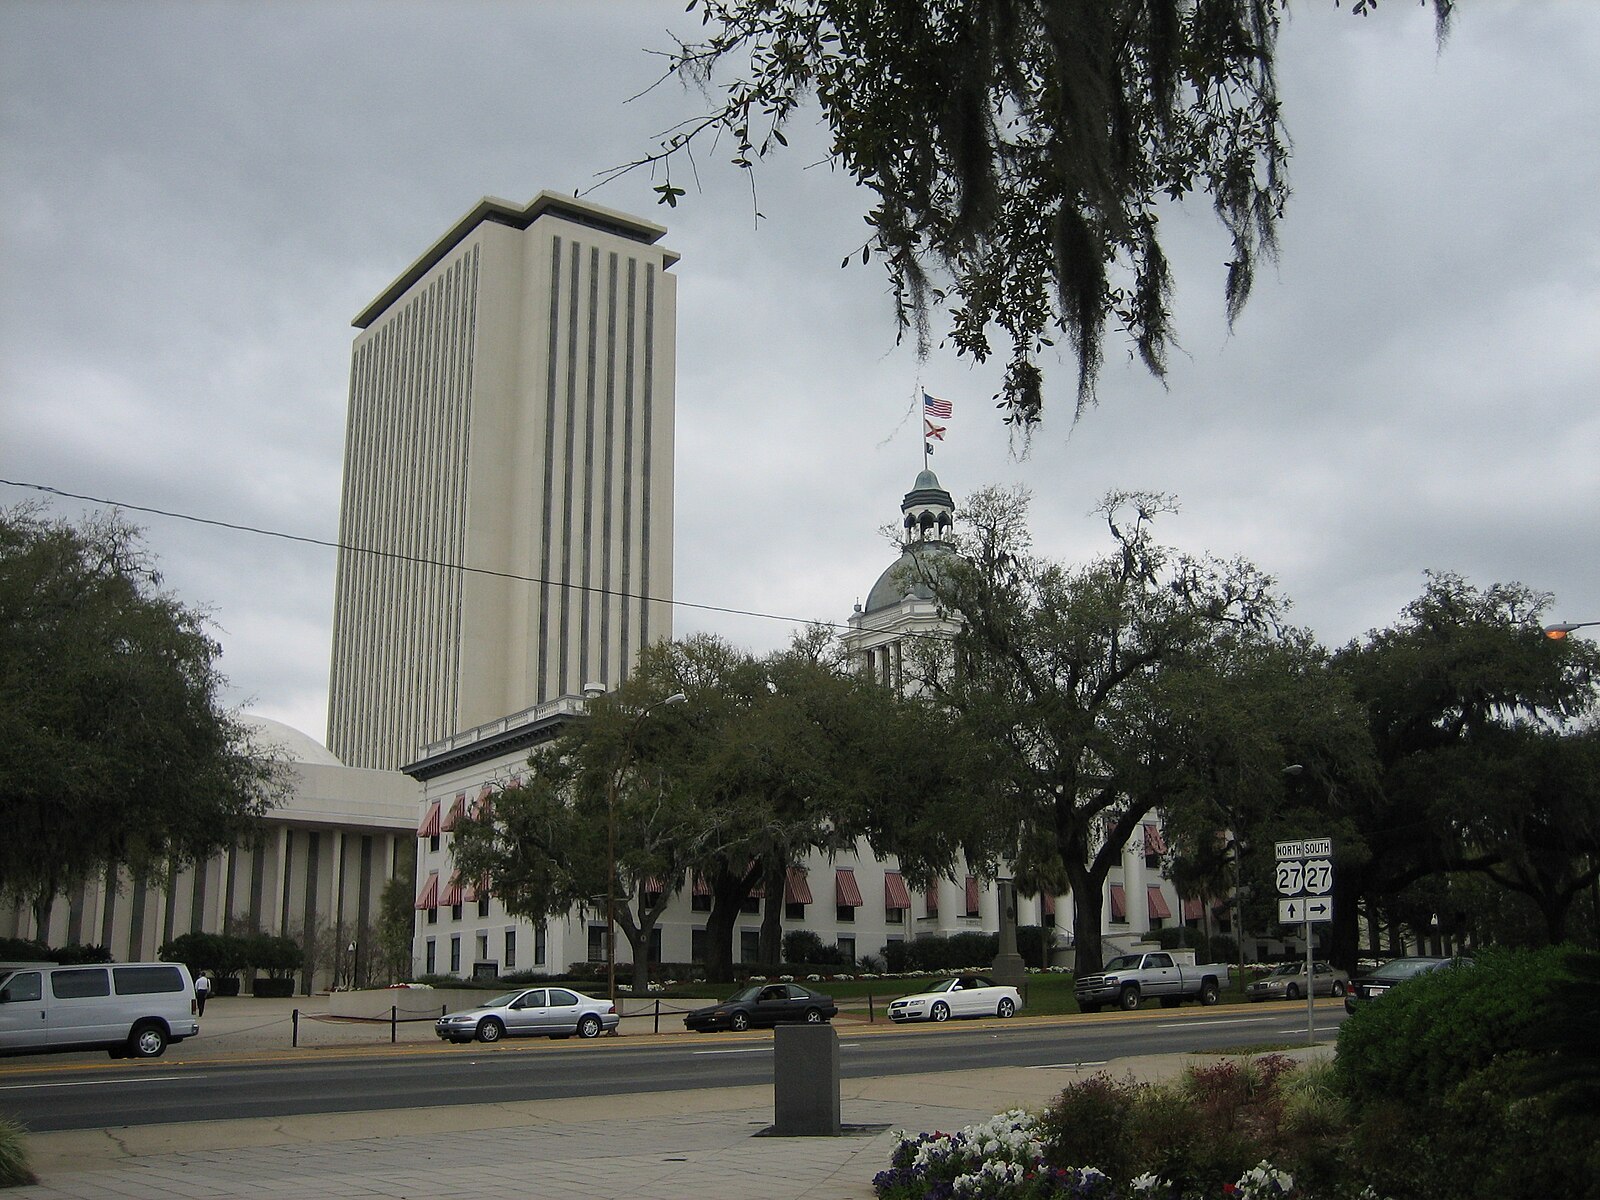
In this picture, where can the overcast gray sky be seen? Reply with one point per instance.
(196, 197)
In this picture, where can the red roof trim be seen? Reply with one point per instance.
(972, 895)
(457, 811)
(1193, 910)
(931, 897)
(1049, 904)
(1154, 843)
(430, 823)
(429, 896)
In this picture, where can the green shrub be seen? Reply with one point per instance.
(22, 950)
(1426, 1036)
(274, 986)
(74, 954)
(1091, 1124)
(14, 1169)
(279, 957)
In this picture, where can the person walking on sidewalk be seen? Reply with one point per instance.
(202, 989)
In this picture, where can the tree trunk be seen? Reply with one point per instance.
(1344, 934)
(43, 907)
(1088, 919)
(777, 874)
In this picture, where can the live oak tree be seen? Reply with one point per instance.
(1019, 152)
(1482, 729)
(115, 750)
(1104, 692)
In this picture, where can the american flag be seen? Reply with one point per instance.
(934, 407)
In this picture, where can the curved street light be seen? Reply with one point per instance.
(1558, 633)
(613, 785)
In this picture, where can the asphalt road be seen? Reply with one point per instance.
(113, 1094)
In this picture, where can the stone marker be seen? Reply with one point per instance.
(805, 1081)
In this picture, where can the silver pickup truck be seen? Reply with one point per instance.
(1129, 979)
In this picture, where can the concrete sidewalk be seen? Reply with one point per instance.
(691, 1145)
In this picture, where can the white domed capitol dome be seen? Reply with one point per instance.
(294, 745)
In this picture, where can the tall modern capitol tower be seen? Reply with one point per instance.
(511, 413)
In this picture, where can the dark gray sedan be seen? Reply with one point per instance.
(533, 1012)
(764, 1004)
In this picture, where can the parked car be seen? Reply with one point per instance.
(554, 1012)
(763, 1005)
(963, 996)
(1287, 981)
(132, 1010)
(1395, 971)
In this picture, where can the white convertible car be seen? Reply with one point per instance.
(963, 996)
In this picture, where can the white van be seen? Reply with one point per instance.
(131, 1009)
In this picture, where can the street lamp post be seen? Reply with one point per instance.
(1558, 633)
(613, 785)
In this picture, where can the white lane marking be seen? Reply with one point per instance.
(751, 1050)
(26, 1087)
(1072, 1066)
(1222, 1021)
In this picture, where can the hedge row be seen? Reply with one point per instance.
(225, 956)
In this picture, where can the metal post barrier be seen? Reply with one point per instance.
(294, 1018)
(394, 1026)
(872, 1016)
(658, 1015)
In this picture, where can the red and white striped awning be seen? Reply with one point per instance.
(796, 890)
(430, 823)
(972, 895)
(428, 897)
(847, 893)
(1119, 903)
(895, 893)
(1158, 904)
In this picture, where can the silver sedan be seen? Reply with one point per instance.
(1287, 981)
(553, 1012)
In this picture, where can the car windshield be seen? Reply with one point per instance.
(500, 1001)
(749, 993)
(1404, 968)
(1125, 962)
(1288, 969)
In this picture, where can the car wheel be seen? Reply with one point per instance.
(589, 1026)
(490, 1029)
(1208, 993)
(813, 1016)
(1338, 987)
(941, 1012)
(1006, 1007)
(148, 1040)
(1292, 992)
(1129, 999)
(739, 1022)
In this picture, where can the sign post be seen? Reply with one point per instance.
(1304, 876)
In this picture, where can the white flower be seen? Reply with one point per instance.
(1147, 1182)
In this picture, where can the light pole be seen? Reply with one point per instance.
(613, 784)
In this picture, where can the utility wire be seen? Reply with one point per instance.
(415, 559)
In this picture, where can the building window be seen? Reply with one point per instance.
(699, 903)
(847, 946)
(794, 912)
(511, 949)
(483, 907)
(538, 946)
(894, 916)
(752, 904)
(455, 954)
(433, 843)
(845, 912)
(430, 957)
(1155, 922)
(697, 945)
(597, 943)
(483, 947)
(455, 912)
(433, 916)
(749, 945)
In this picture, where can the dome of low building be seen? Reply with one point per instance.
(289, 741)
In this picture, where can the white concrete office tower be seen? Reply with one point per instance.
(511, 412)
